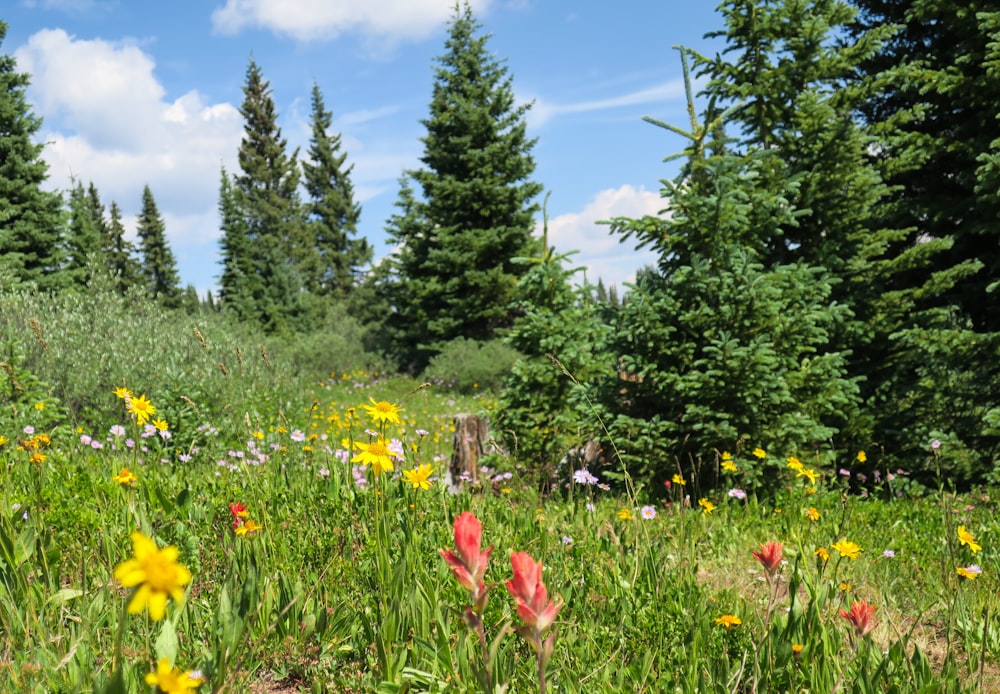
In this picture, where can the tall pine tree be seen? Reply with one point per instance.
(159, 267)
(30, 219)
(84, 241)
(332, 258)
(453, 270)
(121, 254)
(266, 209)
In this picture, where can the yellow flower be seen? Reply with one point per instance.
(383, 411)
(728, 620)
(125, 477)
(808, 473)
(258, 435)
(625, 514)
(727, 462)
(677, 479)
(140, 407)
(796, 649)
(844, 586)
(123, 393)
(847, 549)
(160, 424)
(795, 463)
(862, 457)
(247, 528)
(3, 440)
(706, 505)
(376, 454)
(39, 406)
(37, 457)
(419, 477)
(759, 453)
(822, 554)
(967, 538)
(156, 575)
(43, 439)
(170, 680)
(812, 514)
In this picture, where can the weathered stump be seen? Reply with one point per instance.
(469, 445)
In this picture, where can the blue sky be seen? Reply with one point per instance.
(136, 93)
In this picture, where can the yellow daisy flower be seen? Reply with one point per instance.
(155, 574)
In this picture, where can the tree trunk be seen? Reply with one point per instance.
(469, 444)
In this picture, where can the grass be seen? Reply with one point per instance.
(342, 587)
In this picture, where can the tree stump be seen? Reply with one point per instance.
(469, 445)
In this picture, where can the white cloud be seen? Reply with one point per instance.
(542, 111)
(602, 254)
(108, 121)
(314, 20)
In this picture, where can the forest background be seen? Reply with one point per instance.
(826, 258)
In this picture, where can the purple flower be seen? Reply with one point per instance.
(845, 473)
(935, 444)
(584, 477)
(297, 435)
(648, 512)
(29, 430)
(184, 457)
(118, 430)
(737, 494)
(567, 540)
(85, 439)
(888, 554)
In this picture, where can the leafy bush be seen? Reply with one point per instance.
(468, 365)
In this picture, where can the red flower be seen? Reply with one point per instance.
(770, 556)
(860, 616)
(469, 565)
(533, 605)
(239, 511)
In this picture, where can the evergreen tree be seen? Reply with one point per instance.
(121, 253)
(31, 220)
(331, 261)
(934, 105)
(265, 207)
(454, 274)
(159, 268)
(84, 242)
(718, 347)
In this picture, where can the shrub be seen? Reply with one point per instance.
(467, 365)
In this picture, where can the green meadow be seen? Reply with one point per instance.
(271, 528)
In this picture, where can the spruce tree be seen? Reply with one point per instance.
(454, 274)
(266, 210)
(84, 240)
(121, 254)
(159, 268)
(31, 220)
(332, 260)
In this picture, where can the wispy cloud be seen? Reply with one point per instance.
(544, 111)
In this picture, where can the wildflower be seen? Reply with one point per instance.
(967, 538)
(3, 440)
(117, 430)
(844, 586)
(935, 444)
(29, 430)
(419, 477)
(141, 408)
(862, 457)
(812, 514)
(39, 406)
(809, 474)
(759, 453)
(584, 477)
(860, 616)
(239, 512)
(889, 554)
(247, 528)
(794, 463)
(844, 472)
(469, 564)
(737, 494)
(679, 480)
(156, 575)
(847, 549)
(170, 680)
(706, 505)
(377, 454)
(532, 598)
(796, 649)
(647, 512)
(125, 477)
(770, 556)
(383, 411)
(728, 621)
(123, 393)
(969, 572)
(727, 462)
(625, 514)
(822, 554)
(160, 424)
(38, 457)
(567, 540)
(589, 506)
(298, 436)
